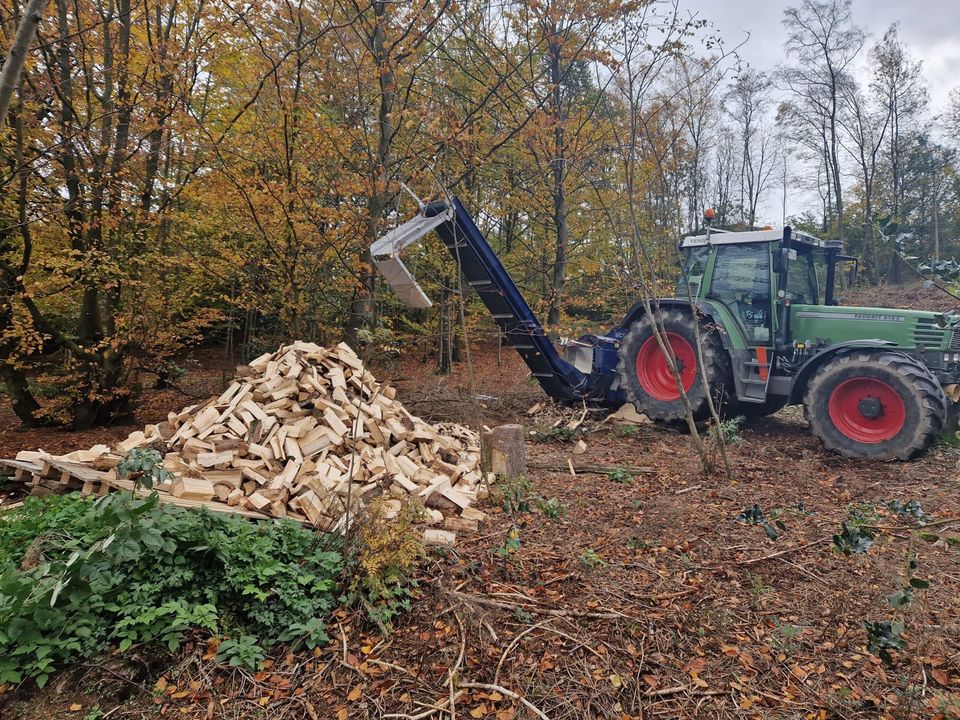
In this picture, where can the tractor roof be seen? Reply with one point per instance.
(753, 236)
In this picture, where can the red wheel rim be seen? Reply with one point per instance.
(867, 410)
(653, 370)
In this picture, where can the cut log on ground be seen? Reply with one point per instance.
(505, 451)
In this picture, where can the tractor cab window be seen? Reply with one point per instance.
(802, 285)
(741, 281)
(694, 266)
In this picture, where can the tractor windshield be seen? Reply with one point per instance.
(694, 266)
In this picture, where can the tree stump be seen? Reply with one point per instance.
(504, 451)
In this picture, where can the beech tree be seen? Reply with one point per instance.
(823, 42)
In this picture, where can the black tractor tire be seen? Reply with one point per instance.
(756, 411)
(882, 405)
(660, 400)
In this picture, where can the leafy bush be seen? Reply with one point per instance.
(551, 508)
(77, 576)
(560, 434)
(753, 515)
(514, 493)
(388, 552)
(619, 475)
(728, 430)
(142, 465)
(884, 636)
(853, 539)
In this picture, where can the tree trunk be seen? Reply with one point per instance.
(872, 241)
(444, 335)
(558, 279)
(936, 227)
(17, 57)
(363, 310)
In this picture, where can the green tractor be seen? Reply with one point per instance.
(873, 382)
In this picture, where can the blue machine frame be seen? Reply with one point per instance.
(483, 271)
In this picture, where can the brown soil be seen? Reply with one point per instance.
(646, 598)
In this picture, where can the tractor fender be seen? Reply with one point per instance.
(813, 364)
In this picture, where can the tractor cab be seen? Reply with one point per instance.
(756, 277)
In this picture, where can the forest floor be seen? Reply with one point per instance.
(630, 595)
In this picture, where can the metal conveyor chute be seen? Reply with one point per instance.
(386, 256)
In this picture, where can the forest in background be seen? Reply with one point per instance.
(177, 172)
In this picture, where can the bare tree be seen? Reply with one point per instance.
(898, 84)
(866, 127)
(953, 112)
(748, 101)
(724, 172)
(823, 41)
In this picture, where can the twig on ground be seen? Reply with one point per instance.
(610, 615)
(677, 689)
(452, 674)
(935, 523)
(751, 561)
(432, 709)
(591, 469)
(509, 693)
(384, 663)
(513, 644)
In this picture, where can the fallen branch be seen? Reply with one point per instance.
(513, 644)
(935, 523)
(509, 693)
(534, 610)
(677, 689)
(751, 561)
(441, 706)
(591, 469)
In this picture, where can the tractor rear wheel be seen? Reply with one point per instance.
(645, 374)
(881, 405)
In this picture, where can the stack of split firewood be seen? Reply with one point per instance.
(306, 433)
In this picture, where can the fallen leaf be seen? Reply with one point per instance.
(355, 694)
(75, 707)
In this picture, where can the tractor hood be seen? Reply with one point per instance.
(903, 328)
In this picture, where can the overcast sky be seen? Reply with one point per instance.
(929, 28)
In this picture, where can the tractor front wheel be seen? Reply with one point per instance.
(880, 405)
(647, 379)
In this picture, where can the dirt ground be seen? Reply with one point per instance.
(631, 594)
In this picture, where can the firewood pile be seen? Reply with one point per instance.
(305, 433)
